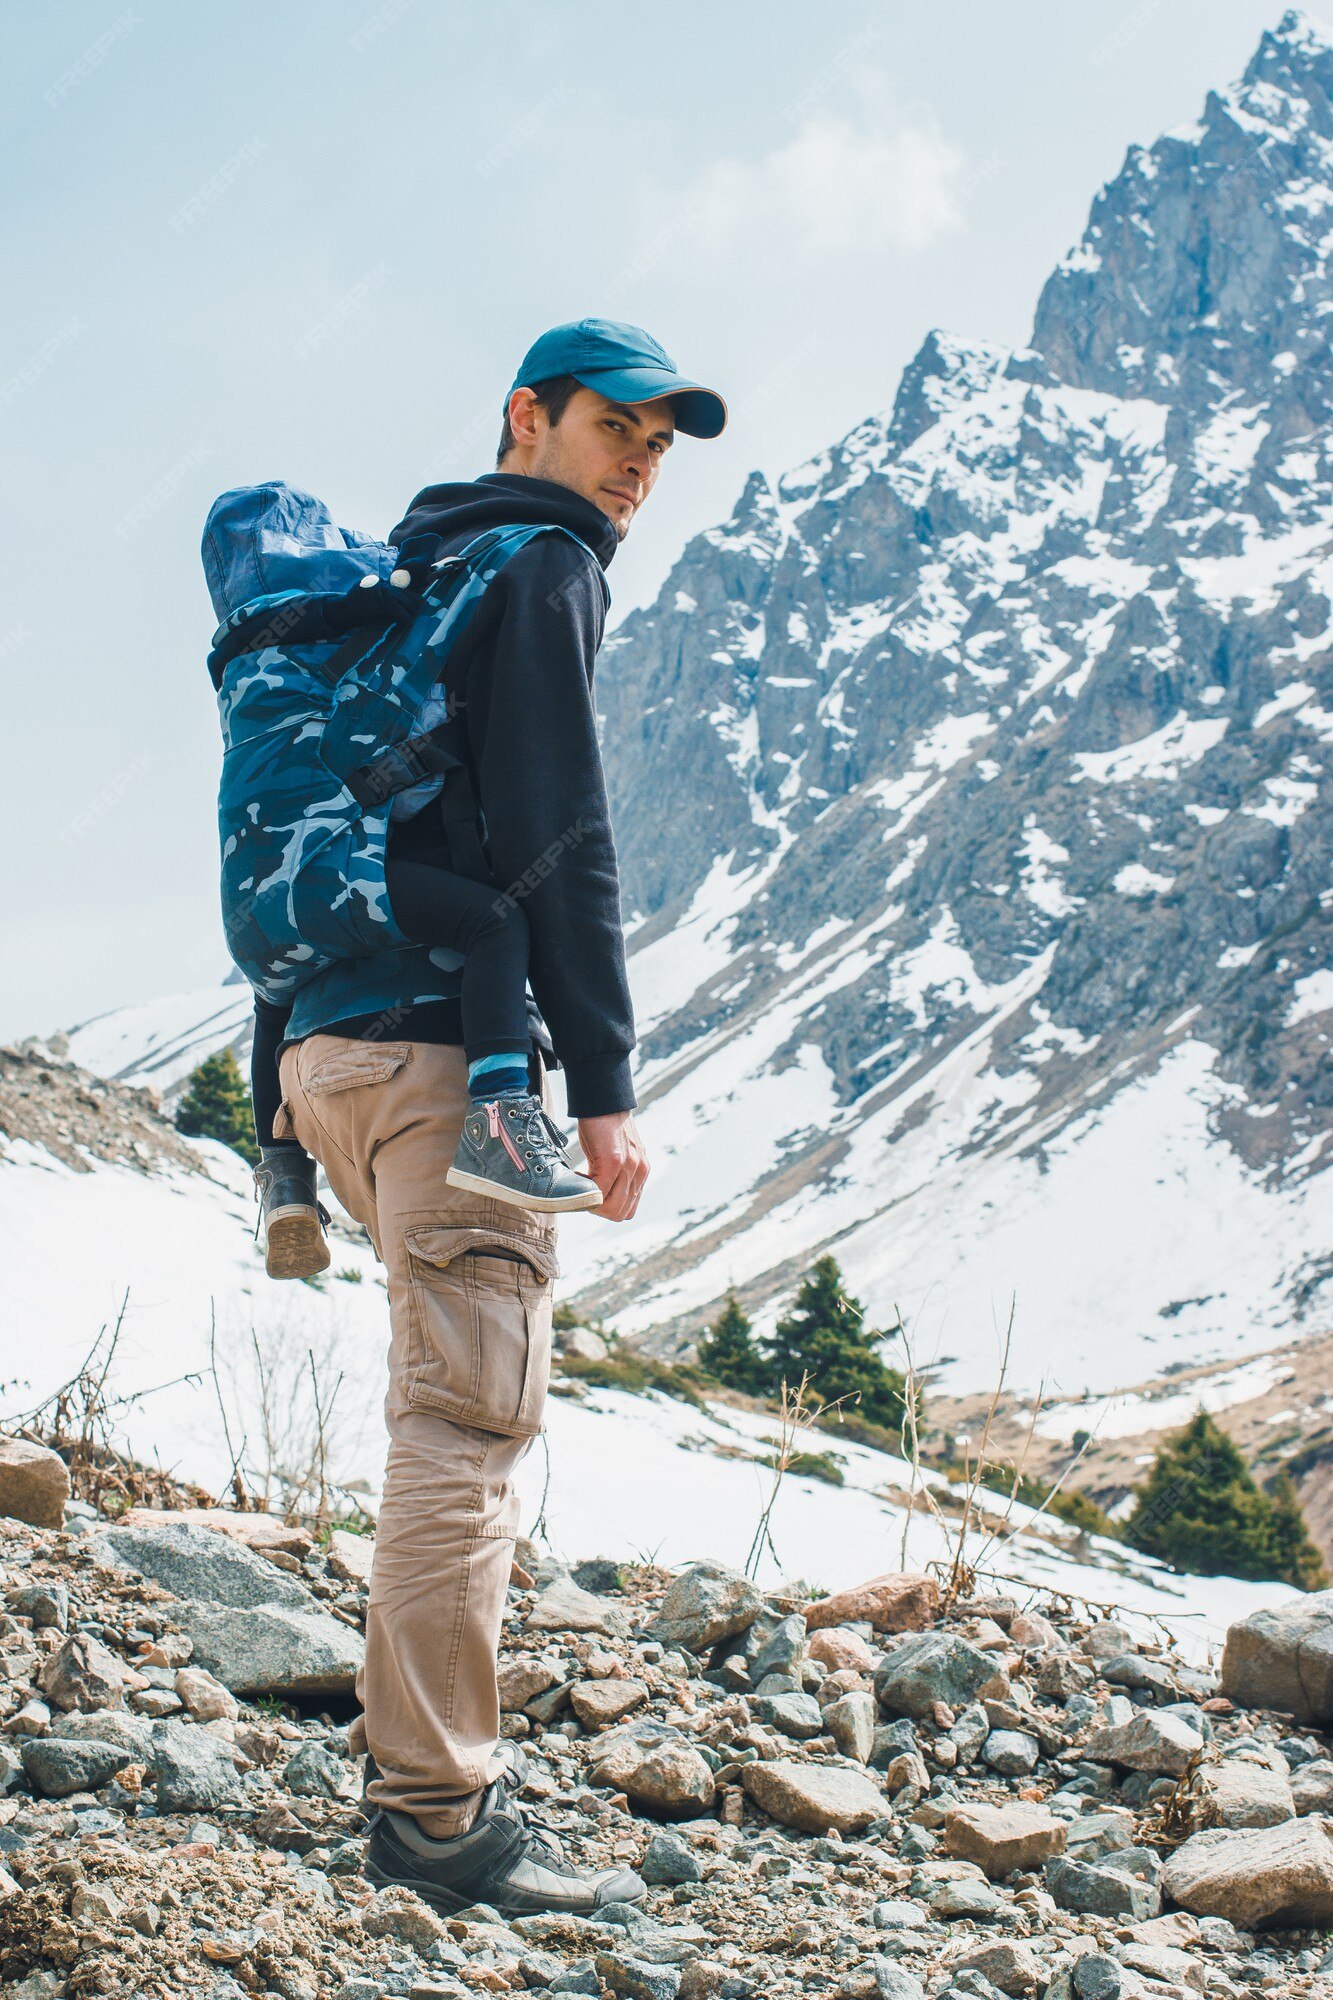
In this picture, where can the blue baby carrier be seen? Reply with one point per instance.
(339, 715)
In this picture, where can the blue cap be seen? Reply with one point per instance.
(624, 363)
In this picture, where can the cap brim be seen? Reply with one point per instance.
(699, 412)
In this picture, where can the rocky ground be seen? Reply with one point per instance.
(858, 1796)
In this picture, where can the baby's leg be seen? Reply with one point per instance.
(435, 907)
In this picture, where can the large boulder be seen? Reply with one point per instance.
(1148, 1741)
(1281, 1876)
(656, 1767)
(815, 1798)
(899, 1602)
(1251, 1788)
(704, 1604)
(1002, 1838)
(254, 1628)
(1283, 1658)
(56, 1768)
(935, 1667)
(34, 1483)
(264, 1533)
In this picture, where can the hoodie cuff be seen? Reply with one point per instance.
(598, 1086)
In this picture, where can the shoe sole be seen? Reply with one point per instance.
(498, 1192)
(294, 1244)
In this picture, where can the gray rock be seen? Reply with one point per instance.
(783, 1649)
(1100, 1891)
(891, 1981)
(893, 1739)
(814, 1797)
(1252, 1788)
(965, 1897)
(797, 1715)
(634, 1979)
(564, 1606)
(850, 1721)
(930, 1667)
(1149, 1741)
(84, 1674)
(1137, 1670)
(892, 1915)
(274, 1650)
(314, 1772)
(1096, 1977)
(1274, 1875)
(46, 1603)
(57, 1767)
(1011, 1752)
(1283, 1658)
(580, 1977)
(254, 1628)
(108, 1725)
(198, 1564)
(34, 1483)
(670, 1860)
(191, 1772)
(1312, 1787)
(704, 1604)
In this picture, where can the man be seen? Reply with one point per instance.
(590, 417)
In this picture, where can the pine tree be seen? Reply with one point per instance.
(728, 1353)
(1299, 1561)
(217, 1106)
(1200, 1510)
(825, 1338)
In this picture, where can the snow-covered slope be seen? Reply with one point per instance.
(170, 1254)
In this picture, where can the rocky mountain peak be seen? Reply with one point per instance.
(1204, 265)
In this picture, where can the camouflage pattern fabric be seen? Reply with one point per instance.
(304, 902)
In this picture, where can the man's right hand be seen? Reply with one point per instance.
(615, 1159)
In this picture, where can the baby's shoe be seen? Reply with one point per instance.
(511, 1150)
(291, 1218)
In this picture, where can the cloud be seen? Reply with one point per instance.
(881, 178)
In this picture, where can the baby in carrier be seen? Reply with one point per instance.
(278, 567)
(509, 1148)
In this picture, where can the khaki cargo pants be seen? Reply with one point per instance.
(470, 1293)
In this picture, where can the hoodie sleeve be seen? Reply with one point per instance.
(543, 794)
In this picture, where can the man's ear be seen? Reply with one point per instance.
(523, 408)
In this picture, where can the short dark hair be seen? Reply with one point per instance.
(553, 395)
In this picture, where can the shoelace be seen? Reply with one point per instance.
(537, 1130)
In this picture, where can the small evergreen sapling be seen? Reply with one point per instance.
(1200, 1510)
(217, 1106)
(825, 1338)
(728, 1352)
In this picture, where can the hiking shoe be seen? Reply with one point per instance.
(292, 1220)
(504, 1859)
(511, 1150)
(512, 1779)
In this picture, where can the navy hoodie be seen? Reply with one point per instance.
(527, 662)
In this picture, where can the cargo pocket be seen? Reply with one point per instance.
(348, 1063)
(481, 1334)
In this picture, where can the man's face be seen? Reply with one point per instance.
(610, 453)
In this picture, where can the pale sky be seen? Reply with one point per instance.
(310, 241)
